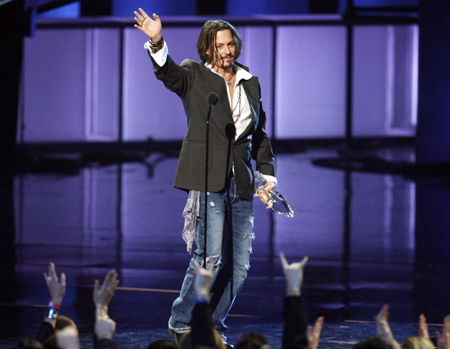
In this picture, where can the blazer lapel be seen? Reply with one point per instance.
(254, 106)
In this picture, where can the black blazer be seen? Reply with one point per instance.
(193, 82)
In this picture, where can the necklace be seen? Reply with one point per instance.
(239, 110)
(229, 80)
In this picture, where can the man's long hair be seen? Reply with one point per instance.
(207, 39)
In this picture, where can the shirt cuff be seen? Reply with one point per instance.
(160, 57)
(270, 178)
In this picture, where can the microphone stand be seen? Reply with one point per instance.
(212, 100)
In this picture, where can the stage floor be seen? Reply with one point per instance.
(372, 239)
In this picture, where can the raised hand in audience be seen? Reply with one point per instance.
(296, 333)
(102, 295)
(293, 274)
(202, 283)
(383, 329)
(443, 340)
(423, 327)
(57, 289)
(313, 334)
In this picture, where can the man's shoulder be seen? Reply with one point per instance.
(191, 64)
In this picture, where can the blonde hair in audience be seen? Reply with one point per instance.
(417, 343)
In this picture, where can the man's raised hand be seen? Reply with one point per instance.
(151, 27)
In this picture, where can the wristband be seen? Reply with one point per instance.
(155, 47)
(55, 306)
(52, 313)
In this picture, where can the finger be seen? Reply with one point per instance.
(109, 276)
(304, 260)
(112, 277)
(138, 15)
(51, 270)
(197, 265)
(438, 336)
(284, 262)
(318, 326)
(63, 279)
(310, 333)
(139, 27)
(96, 286)
(144, 14)
(156, 17)
(46, 278)
(379, 316)
(112, 284)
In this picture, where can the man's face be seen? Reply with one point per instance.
(224, 50)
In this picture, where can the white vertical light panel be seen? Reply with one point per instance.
(54, 80)
(310, 82)
(102, 84)
(71, 91)
(385, 80)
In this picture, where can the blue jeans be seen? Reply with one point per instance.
(227, 256)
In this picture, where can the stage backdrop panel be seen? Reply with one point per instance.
(385, 80)
(85, 84)
(310, 82)
(71, 85)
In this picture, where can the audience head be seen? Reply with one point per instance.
(253, 340)
(185, 341)
(372, 343)
(163, 344)
(417, 343)
(64, 321)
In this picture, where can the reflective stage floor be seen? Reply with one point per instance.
(373, 238)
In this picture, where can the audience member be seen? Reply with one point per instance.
(372, 343)
(296, 333)
(443, 340)
(61, 332)
(253, 340)
(57, 289)
(420, 342)
(202, 334)
(163, 344)
(105, 327)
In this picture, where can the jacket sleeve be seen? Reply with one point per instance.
(177, 78)
(261, 147)
(202, 330)
(295, 324)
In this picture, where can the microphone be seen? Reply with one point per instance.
(230, 131)
(212, 98)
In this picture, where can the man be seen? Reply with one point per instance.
(236, 135)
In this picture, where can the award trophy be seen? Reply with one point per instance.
(272, 199)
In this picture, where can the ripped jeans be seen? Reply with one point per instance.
(231, 257)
